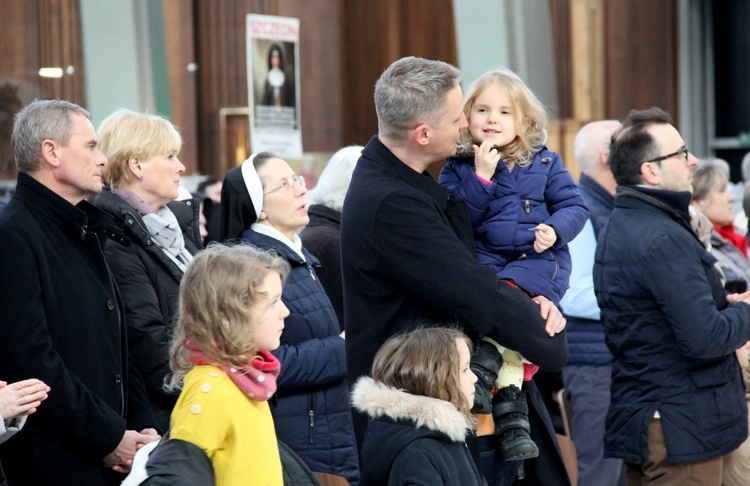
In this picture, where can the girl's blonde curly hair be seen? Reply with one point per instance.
(218, 293)
(529, 115)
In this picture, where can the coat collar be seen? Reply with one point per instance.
(324, 212)
(77, 220)
(378, 400)
(378, 153)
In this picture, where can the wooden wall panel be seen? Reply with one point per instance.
(378, 33)
(37, 33)
(641, 67)
(562, 43)
(179, 34)
(222, 74)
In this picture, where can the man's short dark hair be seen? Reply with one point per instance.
(633, 144)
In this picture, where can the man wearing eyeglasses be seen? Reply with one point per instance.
(677, 403)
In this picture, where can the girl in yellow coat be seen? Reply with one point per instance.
(231, 316)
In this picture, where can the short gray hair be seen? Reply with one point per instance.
(39, 121)
(412, 90)
(593, 139)
(709, 175)
(746, 167)
(334, 181)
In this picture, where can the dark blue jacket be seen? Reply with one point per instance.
(586, 344)
(504, 213)
(671, 332)
(312, 416)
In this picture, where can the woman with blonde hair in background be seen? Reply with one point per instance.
(151, 240)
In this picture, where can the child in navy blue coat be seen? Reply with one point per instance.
(418, 401)
(524, 208)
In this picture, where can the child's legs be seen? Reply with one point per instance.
(511, 373)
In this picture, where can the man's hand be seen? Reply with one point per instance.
(743, 297)
(555, 320)
(21, 398)
(486, 157)
(545, 237)
(121, 458)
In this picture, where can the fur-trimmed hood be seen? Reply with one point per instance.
(378, 400)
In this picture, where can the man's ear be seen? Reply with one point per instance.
(421, 134)
(262, 216)
(603, 158)
(49, 153)
(651, 173)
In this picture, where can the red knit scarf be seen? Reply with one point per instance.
(730, 234)
(257, 380)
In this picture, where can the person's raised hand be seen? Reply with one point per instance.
(21, 398)
(486, 157)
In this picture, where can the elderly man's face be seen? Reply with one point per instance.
(676, 171)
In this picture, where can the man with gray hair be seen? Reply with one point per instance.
(587, 374)
(408, 251)
(60, 315)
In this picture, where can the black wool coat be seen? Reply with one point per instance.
(322, 238)
(149, 282)
(61, 322)
(408, 255)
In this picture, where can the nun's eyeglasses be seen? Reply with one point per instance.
(288, 184)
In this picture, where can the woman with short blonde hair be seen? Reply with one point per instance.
(151, 239)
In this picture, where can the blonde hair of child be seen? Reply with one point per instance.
(424, 362)
(217, 296)
(527, 109)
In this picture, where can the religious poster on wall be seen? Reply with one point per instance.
(273, 85)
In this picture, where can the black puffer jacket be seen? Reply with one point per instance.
(149, 283)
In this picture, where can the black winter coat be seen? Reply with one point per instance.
(149, 283)
(61, 322)
(408, 255)
(671, 332)
(397, 451)
(322, 238)
(312, 416)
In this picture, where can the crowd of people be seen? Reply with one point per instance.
(386, 327)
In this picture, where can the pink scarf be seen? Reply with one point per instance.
(257, 380)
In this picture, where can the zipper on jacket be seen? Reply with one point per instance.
(311, 413)
(527, 206)
(312, 426)
(557, 267)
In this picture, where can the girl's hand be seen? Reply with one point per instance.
(486, 157)
(545, 237)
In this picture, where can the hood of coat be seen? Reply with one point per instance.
(378, 401)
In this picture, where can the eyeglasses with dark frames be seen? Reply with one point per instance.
(288, 184)
(683, 151)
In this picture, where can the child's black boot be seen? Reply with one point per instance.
(485, 363)
(511, 415)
